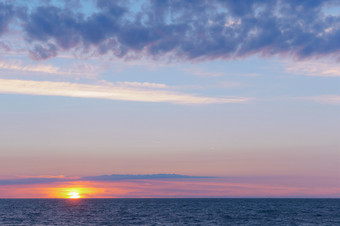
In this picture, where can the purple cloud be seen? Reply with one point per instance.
(43, 52)
(6, 14)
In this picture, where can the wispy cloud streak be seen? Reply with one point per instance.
(325, 99)
(314, 68)
(78, 70)
(108, 91)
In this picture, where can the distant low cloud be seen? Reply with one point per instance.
(189, 30)
(49, 176)
(32, 180)
(117, 177)
(114, 177)
(40, 179)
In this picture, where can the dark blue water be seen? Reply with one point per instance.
(170, 212)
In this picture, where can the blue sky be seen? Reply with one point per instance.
(218, 88)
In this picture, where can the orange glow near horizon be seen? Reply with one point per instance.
(83, 189)
(160, 188)
(75, 191)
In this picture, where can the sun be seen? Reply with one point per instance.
(73, 195)
(75, 190)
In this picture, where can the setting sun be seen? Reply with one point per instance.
(75, 190)
(74, 195)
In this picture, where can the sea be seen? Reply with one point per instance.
(170, 211)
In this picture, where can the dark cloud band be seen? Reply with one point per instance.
(191, 30)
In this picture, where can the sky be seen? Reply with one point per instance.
(169, 98)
